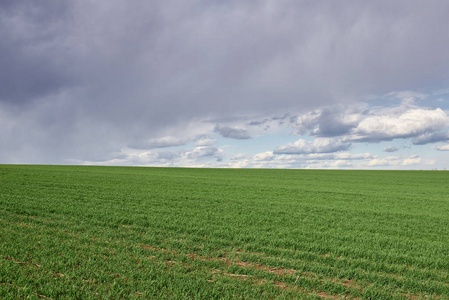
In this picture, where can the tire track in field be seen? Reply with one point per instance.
(350, 285)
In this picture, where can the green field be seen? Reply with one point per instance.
(123, 233)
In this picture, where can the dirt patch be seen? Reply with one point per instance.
(236, 275)
(277, 271)
(351, 284)
(326, 296)
(243, 264)
(170, 263)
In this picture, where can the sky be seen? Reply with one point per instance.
(230, 84)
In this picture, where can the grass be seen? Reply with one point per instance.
(72, 232)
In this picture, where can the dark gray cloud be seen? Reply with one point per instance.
(330, 129)
(167, 155)
(331, 123)
(327, 122)
(259, 122)
(390, 149)
(232, 133)
(278, 119)
(83, 79)
(431, 137)
(164, 142)
(35, 59)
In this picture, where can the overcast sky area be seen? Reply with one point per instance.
(255, 84)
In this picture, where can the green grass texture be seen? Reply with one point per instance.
(82, 232)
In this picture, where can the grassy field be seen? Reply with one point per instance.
(123, 233)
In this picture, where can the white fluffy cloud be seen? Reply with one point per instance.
(205, 152)
(389, 161)
(413, 122)
(318, 145)
(206, 142)
(265, 156)
(395, 161)
(411, 161)
(442, 147)
(364, 124)
(239, 156)
(336, 164)
(240, 164)
(339, 156)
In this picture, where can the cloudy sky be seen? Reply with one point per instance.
(272, 84)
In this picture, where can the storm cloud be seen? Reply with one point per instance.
(83, 80)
